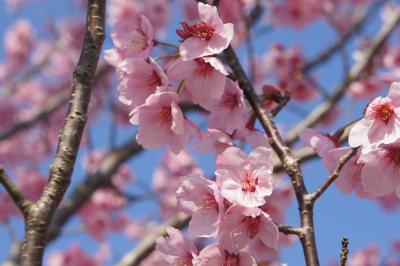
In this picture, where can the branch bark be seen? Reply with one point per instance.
(22, 203)
(42, 212)
(289, 162)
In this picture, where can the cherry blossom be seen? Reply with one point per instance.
(140, 79)
(212, 255)
(177, 249)
(135, 43)
(231, 105)
(208, 37)
(161, 122)
(241, 225)
(381, 123)
(204, 78)
(381, 169)
(245, 180)
(200, 198)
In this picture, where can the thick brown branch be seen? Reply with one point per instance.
(323, 109)
(335, 174)
(107, 168)
(147, 244)
(42, 212)
(18, 197)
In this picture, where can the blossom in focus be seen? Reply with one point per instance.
(204, 78)
(200, 198)
(161, 122)
(231, 105)
(176, 249)
(212, 255)
(134, 43)
(380, 173)
(140, 79)
(381, 123)
(243, 179)
(208, 37)
(241, 225)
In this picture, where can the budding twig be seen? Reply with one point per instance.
(344, 251)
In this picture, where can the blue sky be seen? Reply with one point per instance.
(336, 215)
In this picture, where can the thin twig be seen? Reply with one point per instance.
(335, 174)
(18, 197)
(344, 251)
(147, 244)
(361, 18)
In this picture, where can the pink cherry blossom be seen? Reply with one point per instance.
(131, 43)
(381, 123)
(140, 79)
(241, 225)
(212, 255)
(245, 180)
(381, 169)
(208, 37)
(321, 143)
(213, 140)
(167, 179)
(177, 249)
(161, 121)
(200, 198)
(204, 78)
(231, 105)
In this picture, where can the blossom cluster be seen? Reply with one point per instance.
(233, 210)
(373, 172)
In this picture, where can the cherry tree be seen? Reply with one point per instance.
(193, 134)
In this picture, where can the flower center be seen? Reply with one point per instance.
(249, 183)
(200, 30)
(383, 112)
(166, 114)
(252, 225)
(208, 201)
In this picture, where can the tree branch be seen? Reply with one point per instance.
(41, 214)
(147, 244)
(18, 197)
(344, 251)
(323, 109)
(289, 162)
(335, 174)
